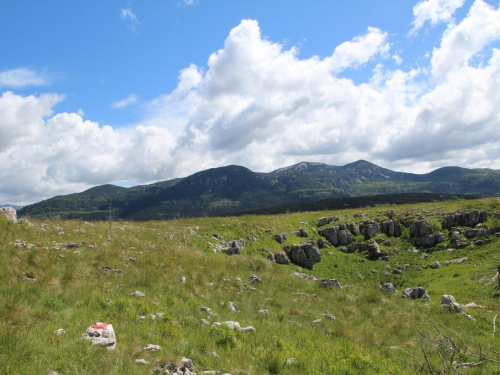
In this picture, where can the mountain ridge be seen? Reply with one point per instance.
(234, 188)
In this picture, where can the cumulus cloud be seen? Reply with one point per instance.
(464, 41)
(262, 106)
(21, 77)
(131, 18)
(434, 11)
(129, 100)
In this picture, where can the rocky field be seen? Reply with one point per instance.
(379, 290)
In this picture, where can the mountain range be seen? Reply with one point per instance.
(233, 189)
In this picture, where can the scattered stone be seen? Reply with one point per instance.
(329, 316)
(449, 302)
(318, 321)
(70, 245)
(291, 362)
(137, 294)
(435, 264)
(280, 238)
(232, 251)
(303, 276)
(329, 283)
(252, 239)
(397, 271)
(24, 221)
(141, 361)
(304, 255)
(473, 305)
(233, 306)
(388, 287)
(264, 312)
(281, 258)
(131, 260)
(415, 293)
(217, 236)
(101, 334)
(271, 257)
(30, 276)
(182, 280)
(152, 348)
(208, 310)
(254, 279)
(235, 326)
(108, 270)
(59, 332)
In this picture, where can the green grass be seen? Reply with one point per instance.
(371, 334)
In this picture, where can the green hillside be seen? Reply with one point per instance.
(234, 189)
(71, 274)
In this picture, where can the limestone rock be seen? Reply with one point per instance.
(138, 293)
(304, 255)
(415, 293)
(337, 235)
(435, 264)
(281, 258)
(369, 229)
(233, 306)
(329, 283)
(388, 287)
(392, 228)
(301, 233)
(10, 213)
(280, 238)
(254, 279)
(464, 219)
(152, 348)
(101, 334)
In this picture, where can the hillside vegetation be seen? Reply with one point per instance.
(234, 189)
(70, 274)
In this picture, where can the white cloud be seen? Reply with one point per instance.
(21, 77)
(129, 16)
(129, 100)
(189, 2)
(359, 51)
(259, 105)
(434, 11)
(460, 43)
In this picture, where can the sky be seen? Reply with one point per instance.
(131, 92)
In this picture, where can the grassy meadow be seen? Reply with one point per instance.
(46, 285)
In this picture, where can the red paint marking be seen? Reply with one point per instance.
(99, 325)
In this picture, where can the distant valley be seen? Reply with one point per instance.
(234, 189)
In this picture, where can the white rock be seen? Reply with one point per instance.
(59, 332)
(186, 362)
(263, 312)
(138, 294)
(318, 321)
(233, 306)
(152, 348)
(101, 334)
(291, 361)
(141, 361)
(10, 213)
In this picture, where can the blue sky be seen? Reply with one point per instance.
(133, 92)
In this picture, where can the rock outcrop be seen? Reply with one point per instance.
(463, 219)
(304, 255)
(338, 235)
(392, 228)
(10, 213)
